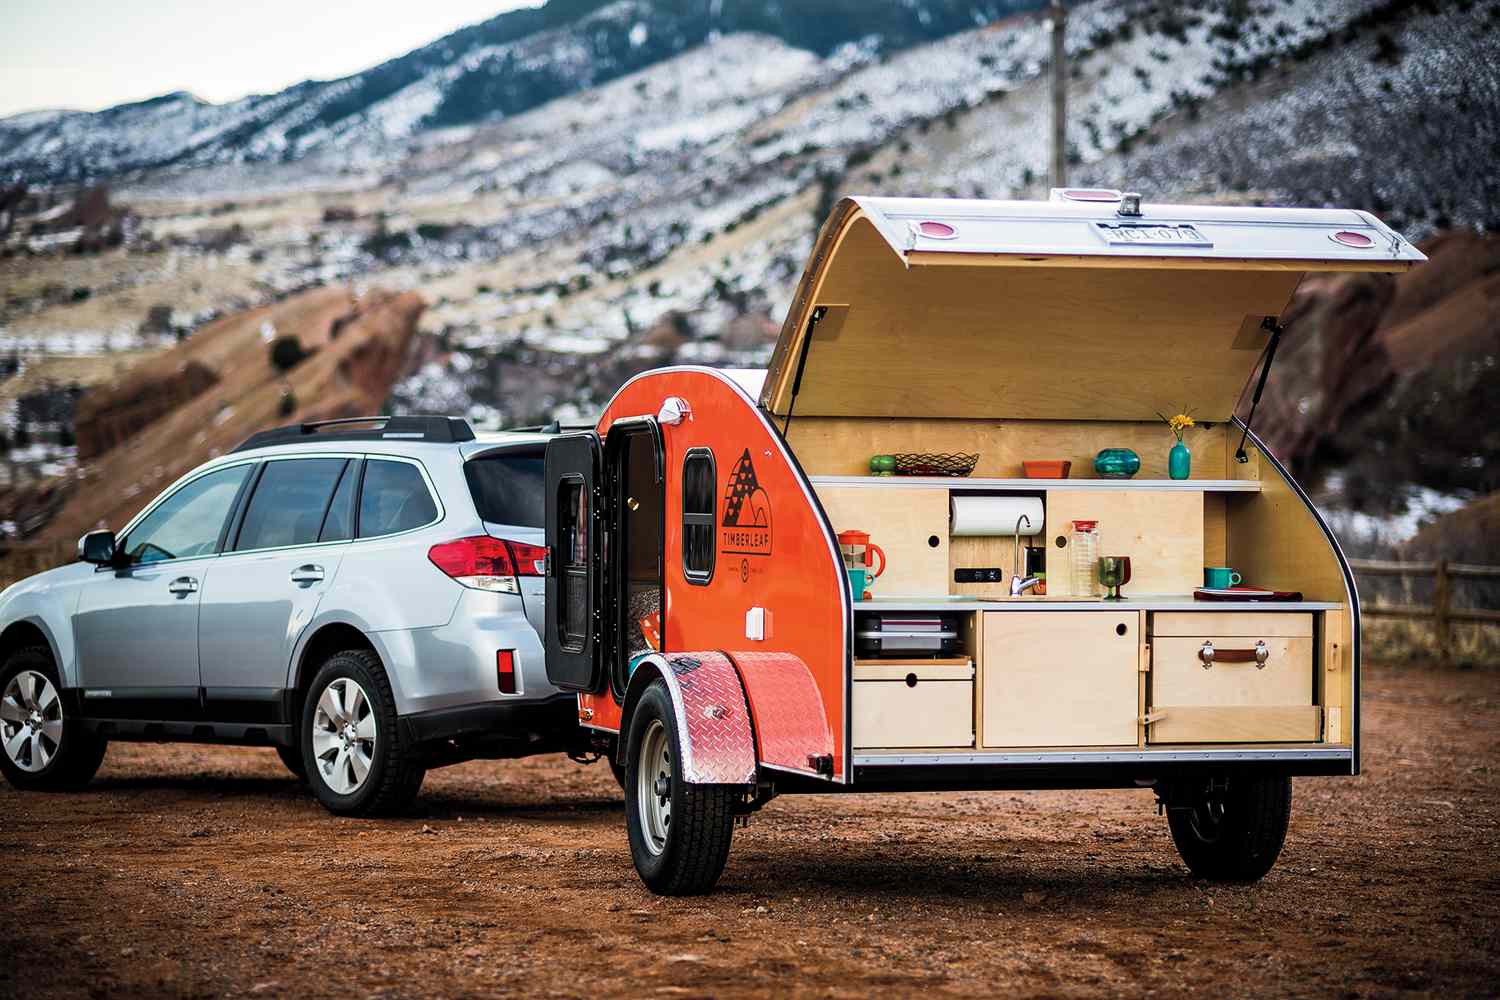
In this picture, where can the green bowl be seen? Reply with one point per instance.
(1117, 463)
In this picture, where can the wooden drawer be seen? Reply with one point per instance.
(913, 704)
(1236, 699)
(1254, 623)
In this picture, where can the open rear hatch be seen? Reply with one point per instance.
(1050, 311)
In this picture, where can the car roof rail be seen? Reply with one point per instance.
(436, 430)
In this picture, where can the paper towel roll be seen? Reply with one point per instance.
(996, 515)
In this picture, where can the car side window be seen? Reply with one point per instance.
(393, 498)
(289, 502)
(188, 522)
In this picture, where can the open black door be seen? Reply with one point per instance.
(575, 571)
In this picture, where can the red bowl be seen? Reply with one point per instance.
(1047, 469)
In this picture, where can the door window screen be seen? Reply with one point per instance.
(573, 547)
(699, 495)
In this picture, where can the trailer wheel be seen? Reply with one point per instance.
(679, 833)
(1232, 832)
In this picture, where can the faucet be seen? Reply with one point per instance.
(1018, 585)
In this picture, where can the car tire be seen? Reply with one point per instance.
(352, 748)
(679, 832)
(618, 770)
(1234, 832)
(292, 758)
(44, 749)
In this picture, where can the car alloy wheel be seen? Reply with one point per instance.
(31, 722)
(654, 786)
(344, 735)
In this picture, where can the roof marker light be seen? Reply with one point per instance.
(936, 230)
(1089, 194)
(1358, 241)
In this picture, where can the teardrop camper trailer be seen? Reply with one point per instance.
(699, 594)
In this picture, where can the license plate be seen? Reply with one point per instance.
(1137, 234)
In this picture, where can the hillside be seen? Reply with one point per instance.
(663, 215)
(503, 66)
(211, 392)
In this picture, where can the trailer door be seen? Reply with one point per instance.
(575, 556)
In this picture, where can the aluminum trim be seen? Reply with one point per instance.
(1100, 757)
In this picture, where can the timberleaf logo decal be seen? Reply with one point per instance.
(746, 528)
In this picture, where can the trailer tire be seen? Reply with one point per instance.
(679, 832)
(1235, 833)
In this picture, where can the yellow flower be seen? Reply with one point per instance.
(1180, 423)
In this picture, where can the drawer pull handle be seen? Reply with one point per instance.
(1258, 656)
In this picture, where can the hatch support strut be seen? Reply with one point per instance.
(1269, 323)
(812, 324)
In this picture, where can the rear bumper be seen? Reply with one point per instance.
(546, 723)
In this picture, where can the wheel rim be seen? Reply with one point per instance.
(653, 786)
(31, 721)
(344, 735)
(1207, 819)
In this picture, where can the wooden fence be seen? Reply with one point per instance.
(1441, 612)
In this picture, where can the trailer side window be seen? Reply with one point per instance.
(699, 493)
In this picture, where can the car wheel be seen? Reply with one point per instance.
(1233, 832)
(352, 749)
(43, 749)
(679, 833)
(292, 758)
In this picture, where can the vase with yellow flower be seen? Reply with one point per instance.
(1179, 459)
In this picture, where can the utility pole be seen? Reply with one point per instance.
(1059, 15)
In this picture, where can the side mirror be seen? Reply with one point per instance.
(97, 547)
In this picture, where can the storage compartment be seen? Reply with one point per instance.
(1232, 678)
(1060, 678)
(913, 703)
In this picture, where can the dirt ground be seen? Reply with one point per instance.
(209, 872)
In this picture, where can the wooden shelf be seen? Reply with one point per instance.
(1043, 485)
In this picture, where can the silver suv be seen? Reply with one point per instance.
(364, 595)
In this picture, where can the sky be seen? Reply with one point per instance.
(91, 54)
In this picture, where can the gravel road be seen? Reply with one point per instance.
(206, 871)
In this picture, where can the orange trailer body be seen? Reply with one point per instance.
(776, 561)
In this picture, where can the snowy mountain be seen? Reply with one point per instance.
(503, 66)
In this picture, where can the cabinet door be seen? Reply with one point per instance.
(1061, 678)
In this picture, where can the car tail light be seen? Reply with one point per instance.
(505, 671)
(486, 563)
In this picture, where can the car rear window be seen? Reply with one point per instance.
(507, 486)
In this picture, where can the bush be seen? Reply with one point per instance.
(287, 353)
(288, 404)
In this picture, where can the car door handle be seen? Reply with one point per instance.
(307, 574)
(182, 585)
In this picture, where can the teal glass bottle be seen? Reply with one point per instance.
(1179, 461)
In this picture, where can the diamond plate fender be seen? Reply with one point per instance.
(718, 744)
(787, 710)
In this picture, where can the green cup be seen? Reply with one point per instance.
(1220, 578)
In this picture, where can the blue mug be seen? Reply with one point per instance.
(1220, 578)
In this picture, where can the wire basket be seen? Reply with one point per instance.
(930, 464)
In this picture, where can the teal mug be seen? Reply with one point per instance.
(859, 581)
(1220, 577)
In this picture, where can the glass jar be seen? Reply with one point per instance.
(1084, 546)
